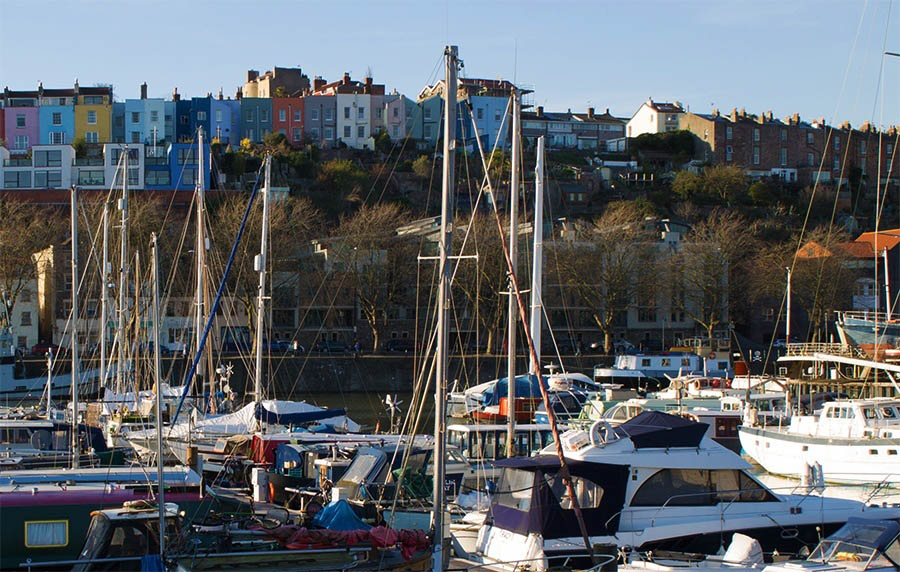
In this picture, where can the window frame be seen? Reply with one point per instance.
(55, 521)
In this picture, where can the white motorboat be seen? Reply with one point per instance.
(655, 482)
(853, 440)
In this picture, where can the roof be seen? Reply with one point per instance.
(888, 239)
(813, 249)
(665, 107)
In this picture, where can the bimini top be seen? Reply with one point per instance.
(877, 534)
(661, 430)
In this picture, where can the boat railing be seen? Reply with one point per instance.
(869, 315)
(810, 348)
(56, 564)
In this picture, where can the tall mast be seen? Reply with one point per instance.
(513, 256)
(440, 392)
(200, 256)
(73, 340)
(104, 295)
(538, 260)
(157, 366)
(260, 264)
(123, 277)
(787, 321)
(887, 288)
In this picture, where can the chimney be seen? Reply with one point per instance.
(734, 114)
(41, 88)
(796, 118)
(144, 90)
(76, 86)
(346, 80)
(238, 94)
(715, 112)
(743, 113)
(252, 75)
(220, 94)
(590, 112)
(845, 126)
(175, 95)
(318, 83)
(540, 111)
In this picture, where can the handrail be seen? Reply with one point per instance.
(55, 563)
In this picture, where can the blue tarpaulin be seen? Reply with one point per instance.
(338, 515)
(526, 386)
(152, 563)
(267, 416)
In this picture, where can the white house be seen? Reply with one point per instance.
(654, 117)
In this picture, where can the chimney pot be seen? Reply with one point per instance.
(144, 90)
(590, 113)
(540, 111)
(220, 94)
(252, 75)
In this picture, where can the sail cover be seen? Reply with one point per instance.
(657, 429)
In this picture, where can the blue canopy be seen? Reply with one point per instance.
(526, 386)
(338, 515)
(267, 416)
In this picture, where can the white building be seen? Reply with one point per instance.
(354, 121)
(24, 317)
(49, 167)
(654, 117)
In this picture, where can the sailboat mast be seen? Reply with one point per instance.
(104, 295)
(73, 340)
(887, 287)
(123, 277)
(538, 254)
(200, 255)
(260, 264)
(513, 255)
(441, 370)
(157, 367)
(787, 321)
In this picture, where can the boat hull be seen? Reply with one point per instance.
(850, 461)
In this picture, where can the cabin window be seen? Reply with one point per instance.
(127, 541)
(666, 362)
(522, 449)
(888, 413)
(723, 365)
(501, 445)
(645, 362)
(589, 493)
(869, 413)
(46, 533)
(685, 362)
(489, 446)
(696, 487)
(515, 489)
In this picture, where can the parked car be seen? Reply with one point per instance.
(276, 346)
(569, 346)
(332, 347)
(651, 346)
(400, 345)
(42, 348)
(619, 346)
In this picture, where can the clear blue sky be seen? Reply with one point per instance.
(787, 56)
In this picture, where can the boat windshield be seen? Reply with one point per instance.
(860, 546)
(515, 489)
(362, 466)
(849, 555)
(95, 541)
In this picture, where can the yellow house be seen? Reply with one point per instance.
(93, 114)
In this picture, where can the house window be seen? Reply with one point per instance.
(729, 153)
(377, 113)
(297, 117)
(314, 132)
(92, 117)
(297, 135)
(263, 114)
(47, 533)
(16, 179)
(428, 132)
(93, 100)
(783, 157)
(249, 115)
(756, 155)
(862, 147)
(250, 134)
(314, 114)
(92, 137)
(218, 116)
(479, 113)
(25, 319)
(57, 118)
(810, 159)
(61, 101)
(329, 133)
(57, 138)
(729, 132)
(329, 114)
(20, 120)
(396, 131)
(154, 115)
(346, 113)
(136, 117)
(837, 164)
(189, 177)
(48, 158)
(187, 156)
(362, 112)
(361, 131)
(756, 134)
(837, 144)
(889, 148)
(201, 116)
(91, 177)
(810, 138)
(157, 178)
(784, 134)
(47, 179)
(346, 132)
(396, 112)
(497, 115)
(283, 131)
(282, 115)
(22, 142)
(135, 136)
(427, 113)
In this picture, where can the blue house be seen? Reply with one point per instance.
(224, 117)
(177, 170)
(200, 109)
(183, 130)
(488, 112)
(57, 124)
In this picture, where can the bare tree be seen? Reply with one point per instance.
(708, 272)
(380, 263)
(612, 266)
(26, 229)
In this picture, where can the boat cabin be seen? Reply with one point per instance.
(479, 443)
(861, 544)
(869, 419)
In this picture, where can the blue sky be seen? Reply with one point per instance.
(784, 56)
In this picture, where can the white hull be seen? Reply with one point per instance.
(843, 460)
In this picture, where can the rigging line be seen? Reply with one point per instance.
(216, 302)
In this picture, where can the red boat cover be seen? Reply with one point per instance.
(295, 537)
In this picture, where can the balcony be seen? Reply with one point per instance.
(89, 162)
(19, 162)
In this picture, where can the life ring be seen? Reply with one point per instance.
(599, 438)
(712, 355)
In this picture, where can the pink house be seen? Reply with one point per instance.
(21, 129)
